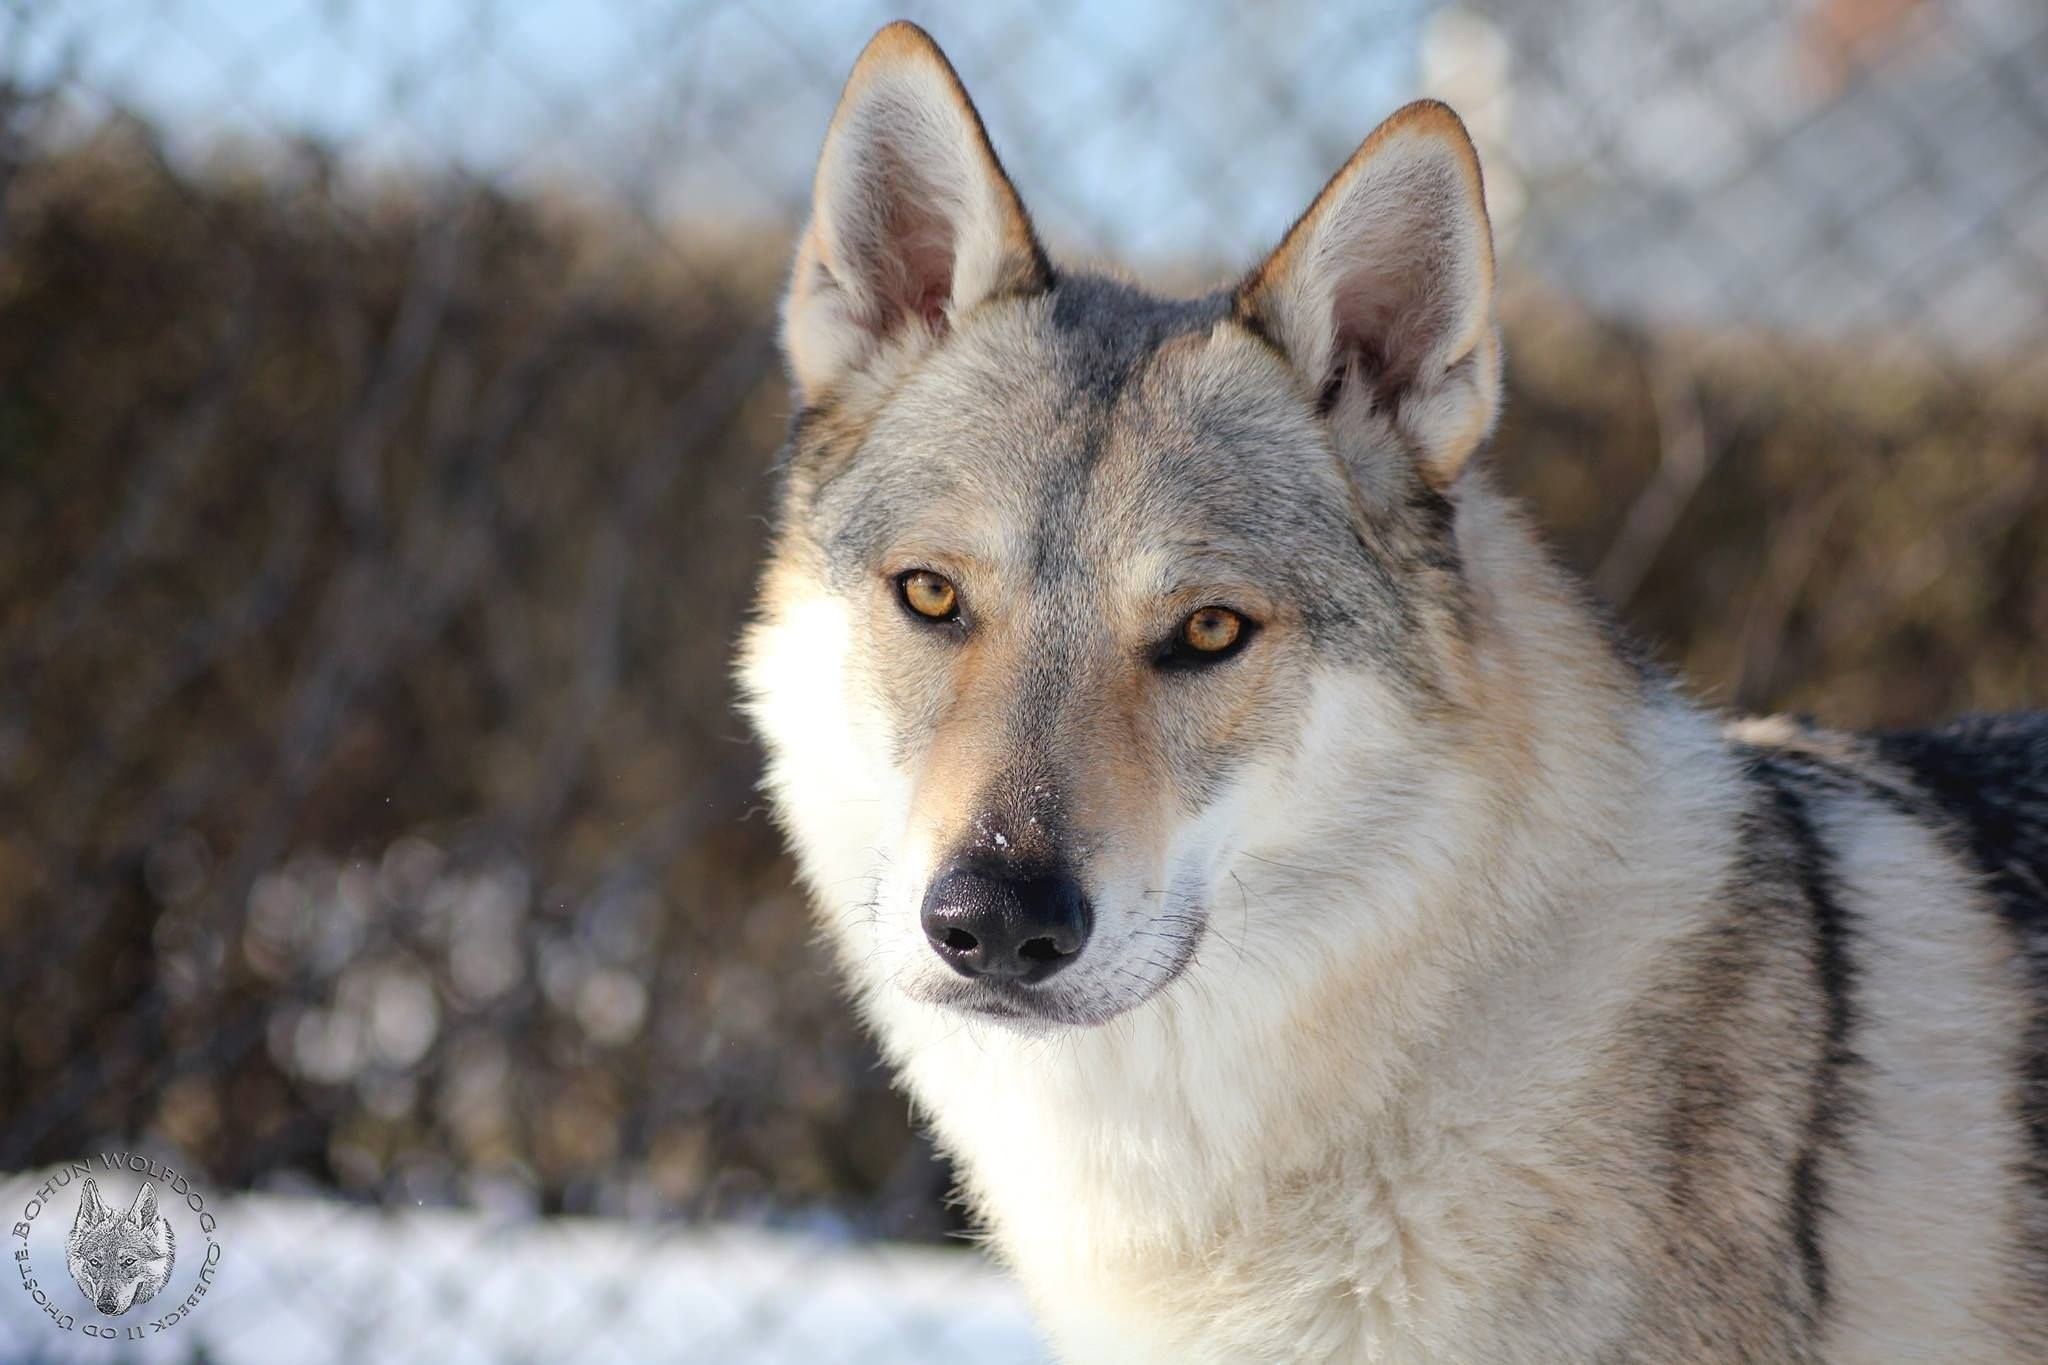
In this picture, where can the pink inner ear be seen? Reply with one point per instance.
(923, 241)
(910, 265)
(1390, 317)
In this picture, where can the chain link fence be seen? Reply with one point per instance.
(386, 401)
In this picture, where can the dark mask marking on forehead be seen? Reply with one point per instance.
(1108, 329)
(1098, 333)
(1104, 333)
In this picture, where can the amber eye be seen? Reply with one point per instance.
(929, 595)
(1211, 630)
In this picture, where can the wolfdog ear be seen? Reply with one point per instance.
(92, 1210)
(913, 222)
(143, 1211)
(1382, 294)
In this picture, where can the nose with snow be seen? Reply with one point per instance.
(1006, 924)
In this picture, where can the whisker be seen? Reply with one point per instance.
(1271, 862)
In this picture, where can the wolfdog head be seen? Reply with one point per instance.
(1082, 600)
(120, 1260)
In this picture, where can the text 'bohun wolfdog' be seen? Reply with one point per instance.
(1312, 931)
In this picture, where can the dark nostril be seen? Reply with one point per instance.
(1042, 950)
(989, 921)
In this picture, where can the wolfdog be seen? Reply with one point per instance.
(1311, 929)
(119, 1260)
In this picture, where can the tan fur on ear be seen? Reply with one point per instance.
(913, 221)
(1381, 294)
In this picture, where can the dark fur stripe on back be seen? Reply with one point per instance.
(1787, 785)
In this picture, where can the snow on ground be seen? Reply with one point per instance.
(303, 1282)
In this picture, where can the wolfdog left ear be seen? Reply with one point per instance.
(912, 220)
(92, 1209)
(1382, 294)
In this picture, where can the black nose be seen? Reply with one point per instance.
(984, 921)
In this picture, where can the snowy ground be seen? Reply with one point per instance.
(308, 1283)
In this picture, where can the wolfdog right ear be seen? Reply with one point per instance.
(143, 1211)
(1382, 295)
(92, 1210)
(912, 220)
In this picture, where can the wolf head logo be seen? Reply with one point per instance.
(120, 1260)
